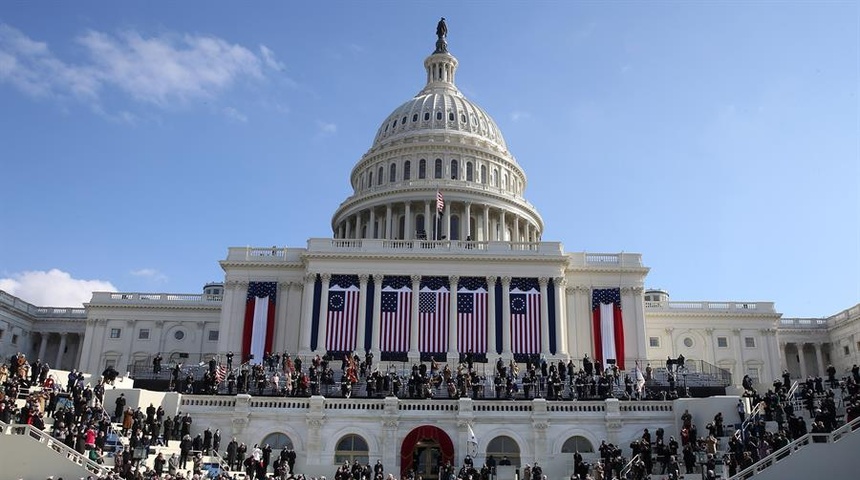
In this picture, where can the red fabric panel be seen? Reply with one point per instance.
(425, 432)
(618, 324)
(270, 326)
(598, 337)
(248, 329)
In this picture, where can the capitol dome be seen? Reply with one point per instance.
(438, 141)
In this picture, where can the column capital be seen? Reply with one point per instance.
(415, 278)
(491, 281)
(325, 276)
(363, 278)
(377, 277)
(285, 284)
(159, 323)
(506, 281)
(310, 277)
(543, 281)
(669, 329)
(560, 281)
(453, 279)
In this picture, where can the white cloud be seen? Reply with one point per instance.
(327, 128)
(516, 116)
(234, 114)
(150, 273)
(270, 60)
(54, 288)
(167, 70)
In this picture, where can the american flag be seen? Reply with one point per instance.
(221, 373)
(440, 202)
(472, 315)
(433, 306)
(525, 315)
(343, 311)
(395, 314)
(608, 325)
(259, 331)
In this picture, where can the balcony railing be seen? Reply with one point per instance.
(51, 313)
(735, 307)
(803, 323)
(100, 298)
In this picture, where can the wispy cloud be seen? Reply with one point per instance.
(327, 128)
(518, 115)
(54, 288)
(150, 273)
(234, 114)
(168, 70)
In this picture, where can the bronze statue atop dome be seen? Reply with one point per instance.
(441, 34)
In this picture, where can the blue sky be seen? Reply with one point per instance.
(139, 140)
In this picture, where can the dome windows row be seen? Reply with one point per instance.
(440, 169)
(425, 113)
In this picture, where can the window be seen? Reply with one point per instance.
(426, 116)
(422, 169)
(15, 340)
(115, 332)
(415, 117)
(451, 116)
(577, 444)
(455, 170)
(722, 342)
(1, 333)
(454, 234)
(846, 350)
(504, 446)
(420, 232)
(213, 335)
(484, 174)
(403, 120)
(369, 179)
(379, 176)
(438, 115)
(438, 169)
(179, 335)
(143, 334)
(407, 170)
(749, 342)
(470, 172)
(654, 342)
(688, 342)
(392, 173)
(463, 118)
(278, 441)
(351, 448)
(494, 178)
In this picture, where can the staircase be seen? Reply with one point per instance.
(52, 458)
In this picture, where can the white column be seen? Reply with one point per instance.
(452, 317)
(802, 357)
(501, 230)
(641, 345)
(446, 222)
(491, 317)
(429, 222)
(388, 222)
(468, 222)
(59, 358)
(321, 328)
(573, 332)
(819, 359)
(377, 312)
(348, 230)
(516, 229)
(43, 346)
(486, 221)
(506, 317)
(371, 226)
(560, 324)
(362, 313)
(407, 223)
(307, 312)
(413, 324)
(544, 315)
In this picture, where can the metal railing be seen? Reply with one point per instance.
(795, 446)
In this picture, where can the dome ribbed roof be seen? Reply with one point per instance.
(440, 106)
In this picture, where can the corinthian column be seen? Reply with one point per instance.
(544, 315)
(506, 317)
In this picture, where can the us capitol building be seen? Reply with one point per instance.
(437, 253)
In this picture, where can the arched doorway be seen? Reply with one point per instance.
(426, 448)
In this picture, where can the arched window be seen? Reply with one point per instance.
(401, 227)
(420, 228)
(577, 443)
(351, 448)
(392, 173)
(438, 170)
(379, 176)
(470, 172)
(493, 178)
(484, 174)
(438, 115)
(504, 446)
(278, 441)
(370, 178)
(407, 170)
(455, 228)
(505, 181)
(422, 169)
(455, 170)
(451, 116)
